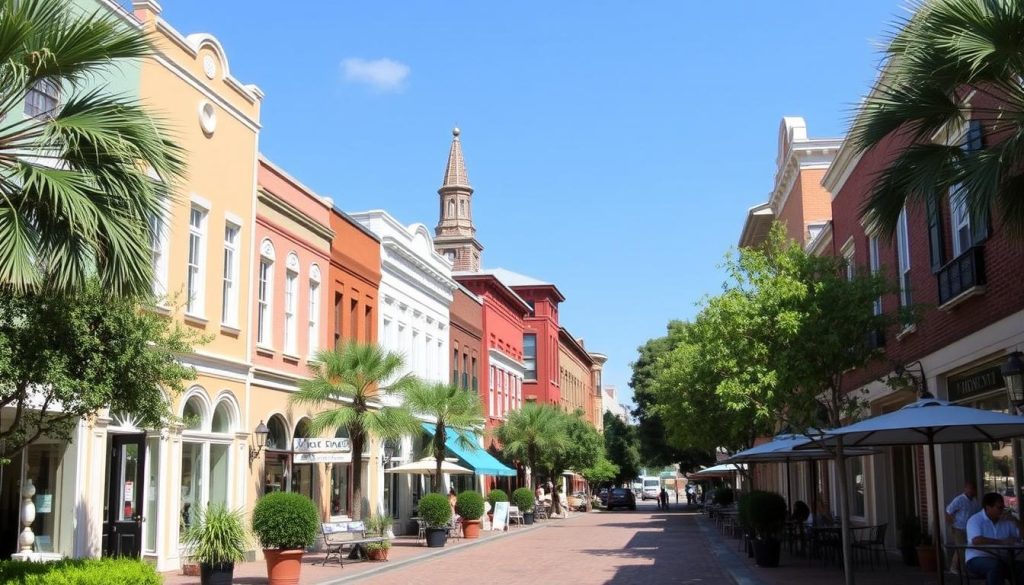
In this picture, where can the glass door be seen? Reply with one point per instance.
(122, 526)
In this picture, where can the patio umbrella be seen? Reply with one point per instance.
(783, 449)
(428, 466)
(722, 470)
(928, 421)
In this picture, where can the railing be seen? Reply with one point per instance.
(961, 274)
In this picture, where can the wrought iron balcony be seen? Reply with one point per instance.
(961, 274)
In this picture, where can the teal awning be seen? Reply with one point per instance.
(479, 460)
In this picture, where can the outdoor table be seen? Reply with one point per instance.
(1006, 553)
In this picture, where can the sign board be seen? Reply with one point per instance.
(320, 445)
(963, 386)
(44, 503)
(500, 521)
(335, 457)
(129, 491)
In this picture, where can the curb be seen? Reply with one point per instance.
(728, 560)
(441, 552)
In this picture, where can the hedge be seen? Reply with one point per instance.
(80, 572)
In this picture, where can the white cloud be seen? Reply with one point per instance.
(381, 74)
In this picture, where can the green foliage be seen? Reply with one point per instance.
(764, 512)
(378, 546)
(454, 410)
(622, 446)
(77, 353)
(75, 192)
(656, 448)
(523, 498)
(435, 510)
(496, 495)
(602, 471)
(379, 524)
(532, 432)
(286, 521)
(80, 572)
(345, 380)
(724, 496)
(948, 50)
(469, 505)
(216, 536)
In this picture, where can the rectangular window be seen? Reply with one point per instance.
(195, 277)
(314, 317)
(903, 254)
(530, 355)
(290, 304)
(353, 314)
(368, 324)
(473, 366)
(455, 366)
(338, 304)
(848, 257)
(42, 99)
(875, 264)
(857, 487)
(229, 288)
(465, 371)
(157, 242)
(490, 393)
(960, 219)
(264, 291)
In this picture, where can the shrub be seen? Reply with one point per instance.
(496, 495)
(435, 510)
(80, 572)
(523, 499)
(766, 512)
(376, 546)
(724, 496)
(470, 505)
(216, 536)
(379, 525)
(285, 520)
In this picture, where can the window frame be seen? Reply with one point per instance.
(903, 257)
(229, 280)
(265, 296)
(195, 261)
(290, 301)
(313, 319)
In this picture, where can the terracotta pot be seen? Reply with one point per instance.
(190, 569)
(283, 566)
(378, 554)
(471, 528)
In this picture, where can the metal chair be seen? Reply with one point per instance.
(874, 545)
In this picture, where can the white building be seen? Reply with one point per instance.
(416, 290)
(610, 403)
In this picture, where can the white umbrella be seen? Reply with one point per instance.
(928, 422)
(723, 470)
(428, 466)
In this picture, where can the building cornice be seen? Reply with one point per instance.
(288, 210)
(502, 358)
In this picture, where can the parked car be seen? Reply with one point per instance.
(603, 495)
(621, 498)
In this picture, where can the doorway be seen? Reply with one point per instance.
(123, 501)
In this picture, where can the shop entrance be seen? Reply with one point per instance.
(122, 503)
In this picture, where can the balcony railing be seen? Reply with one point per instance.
(961, 274)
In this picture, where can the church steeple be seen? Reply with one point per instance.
(455, 236)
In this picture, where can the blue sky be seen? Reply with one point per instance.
(614, 147)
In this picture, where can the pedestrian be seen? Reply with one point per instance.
(958, 512)
(663, 499)
(691, 494)
(990, 526)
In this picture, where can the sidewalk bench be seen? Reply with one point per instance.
(338, 535)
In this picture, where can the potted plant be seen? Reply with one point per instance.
(494, 496)
(910, 537)
(469, 505)
(766, 513)
(436, 512)
(216, 540)
(380, 525)
(926, 553)
(378, 551)
(523, 499)
(285, 524)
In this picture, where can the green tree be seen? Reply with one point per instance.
(602, 471)
(65, 358)
(947, 51)
(354, 380)
(622, 447)
(76, 197)
(655, 448)
(453, 410)
(580, 449)
(529, 432)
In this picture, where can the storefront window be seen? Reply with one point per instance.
(191, 481)
(152, 492)
(303, 475)
(340, 488)
(996, 460)
(275, 464)
(205, 456)
(43, 468)
(857, 486)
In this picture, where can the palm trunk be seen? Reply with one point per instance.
(357, 475)
(437, 472)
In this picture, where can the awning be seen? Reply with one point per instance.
(479, 460)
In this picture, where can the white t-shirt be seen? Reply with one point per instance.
(961, 509)
(980, 525)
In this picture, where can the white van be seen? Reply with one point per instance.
(652, 488)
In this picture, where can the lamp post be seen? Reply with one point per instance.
(1013, 374)
(260, 435)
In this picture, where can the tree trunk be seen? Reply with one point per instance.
(438, 459)
(357, 475)
(844, 512)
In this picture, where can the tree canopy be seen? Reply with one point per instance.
(622, 447)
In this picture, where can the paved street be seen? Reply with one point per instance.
(619, 548)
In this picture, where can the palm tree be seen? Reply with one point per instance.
(76, 193)
(947, 51)
(452, 408)
(528, 432)
(355, 378)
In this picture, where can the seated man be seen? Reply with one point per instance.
(990, 527)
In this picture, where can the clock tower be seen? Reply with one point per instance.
(455, 236)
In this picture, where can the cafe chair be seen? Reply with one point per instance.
(873, 546)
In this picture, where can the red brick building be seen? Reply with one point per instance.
(465, 338)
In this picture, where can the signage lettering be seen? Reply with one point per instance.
(320, 445)
(974, 383)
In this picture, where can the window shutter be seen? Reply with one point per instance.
(935, 228)
(975, 142)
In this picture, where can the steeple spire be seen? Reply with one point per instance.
(455, 235)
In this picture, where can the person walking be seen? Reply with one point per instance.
(958, 512)
(663, 499)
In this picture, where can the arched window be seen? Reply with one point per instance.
(265, 294)
(314, 310)
(277, 460)
(291, 304)
(451, 208)
(207, 436)
(303, 474)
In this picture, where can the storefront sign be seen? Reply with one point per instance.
(963, 386)
(336, 457)
(318, 445)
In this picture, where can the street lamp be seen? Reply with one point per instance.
(260, 434)
(923, 392)
(1013, 375)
